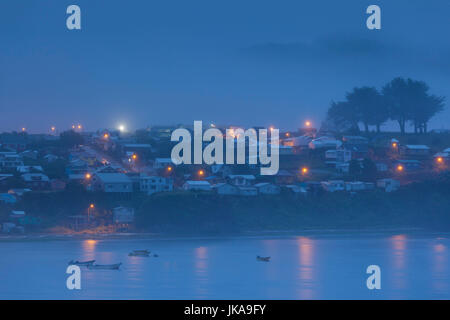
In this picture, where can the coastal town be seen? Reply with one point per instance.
(123, 165)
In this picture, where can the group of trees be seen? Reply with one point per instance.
(401, 100)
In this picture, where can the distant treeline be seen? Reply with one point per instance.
(401, 100)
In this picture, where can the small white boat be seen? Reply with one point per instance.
(81, 263)
(141, 251)
(105, 266)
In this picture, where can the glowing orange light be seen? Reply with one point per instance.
(88, 176)
(304, 170)
(169, 168)
(24, 129)
(91, 206)
(394, 145)
(400, 168)
(440, 160)
(201, 172)
(53, 128)
(134, 156)
(287, 134)
(106, 136)
(271, 128)
(308, 123)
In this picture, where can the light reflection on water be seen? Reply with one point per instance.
(201, 272)
(398, 254)
(304, 267)
(440, 268)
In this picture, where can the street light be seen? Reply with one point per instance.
(88, 176)
(134, 156)
(400, 168)
(308, 123)
(304, 170)
(169, 169)
(201, 173)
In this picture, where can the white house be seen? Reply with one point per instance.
(267, 188)
(161, 163)
(112, 182)
(338, 155)
(123, 215)
(28, 169)
(296, 190)
(10, 160)
(36, 180)
(197, 185)
(226, 189)
(241, 179)
(325, 142)
(153, 184)
(333, 185)
(50, 157)
(414, 150)
(389, 185)
(359, 186)
(301, 141)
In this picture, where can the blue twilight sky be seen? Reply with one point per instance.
(242, 62)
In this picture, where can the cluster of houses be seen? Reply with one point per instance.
(121, 165)
(136, 169)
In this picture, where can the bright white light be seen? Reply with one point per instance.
(121, 128)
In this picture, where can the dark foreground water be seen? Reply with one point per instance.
(303, 267)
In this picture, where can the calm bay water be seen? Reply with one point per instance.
(301, 267)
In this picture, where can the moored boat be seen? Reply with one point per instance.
(265, 259)
(139, 254)
(105, 266)
(141, 251)
(81, 263)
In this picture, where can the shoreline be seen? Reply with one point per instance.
(316, 232)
